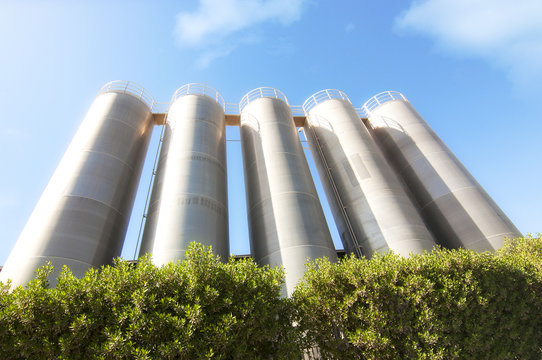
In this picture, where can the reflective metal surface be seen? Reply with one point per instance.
(457, 209)
(370, 205)
(189, 200)
(82, 216)
(286, 220)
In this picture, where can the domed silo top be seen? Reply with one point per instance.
(380, 99)
(262, 92)
(199, 89)
(323, 95)
(129, 88)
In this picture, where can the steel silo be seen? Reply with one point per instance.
(373, 211)
(286, 220)
(457, 209)
(82, 216)
(189, 200)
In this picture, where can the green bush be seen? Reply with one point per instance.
(199, 308)
(444, 305)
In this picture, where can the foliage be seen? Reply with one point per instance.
(526, 252)
(448, 304)
(199, 308)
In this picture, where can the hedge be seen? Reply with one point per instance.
(199, 308)
(447, 304)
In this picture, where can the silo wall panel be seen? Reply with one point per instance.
(456, 208)
(82, 216)
(286, 220)
(375, 203)
(189, 198)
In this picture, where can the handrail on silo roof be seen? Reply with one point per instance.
(380, 99)
(297, 110)
(261, 93)
(322, 96)
(232, 109)
(161, 107)
(199, 89)
(128, 87)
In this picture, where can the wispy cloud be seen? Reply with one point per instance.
(217, 27)
(505, 33)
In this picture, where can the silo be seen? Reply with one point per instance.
(189, 200)
(371, 207)
(286, 220)
(82, 216)
(456, 208)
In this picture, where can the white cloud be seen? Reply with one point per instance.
(210, 55)
(212, 26)
(506, 33)
(223, 49)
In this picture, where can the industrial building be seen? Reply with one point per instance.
(391, 182)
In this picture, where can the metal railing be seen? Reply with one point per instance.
(128, 87)
(297, 110)
(322, 96)
(380, 99)
(199, 89)
(232, 109)
(361, 112)
(261, 93)
(160, 107)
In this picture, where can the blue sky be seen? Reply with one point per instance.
(471, 68)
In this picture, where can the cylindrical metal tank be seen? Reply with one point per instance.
(82, 216)
(371, 206)
(456, 208)
(189, 200)
(286, 220)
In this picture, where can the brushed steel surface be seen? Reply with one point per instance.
(82, 215)
(456, 208)
(365, 193)
(286, 220)
(189, 200)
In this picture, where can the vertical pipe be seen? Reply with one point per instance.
(286, 220)
(457, 209)
(82, 216)
(370, 203)
(189, 200)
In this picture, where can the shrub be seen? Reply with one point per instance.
(448, 304)
(199, 308)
